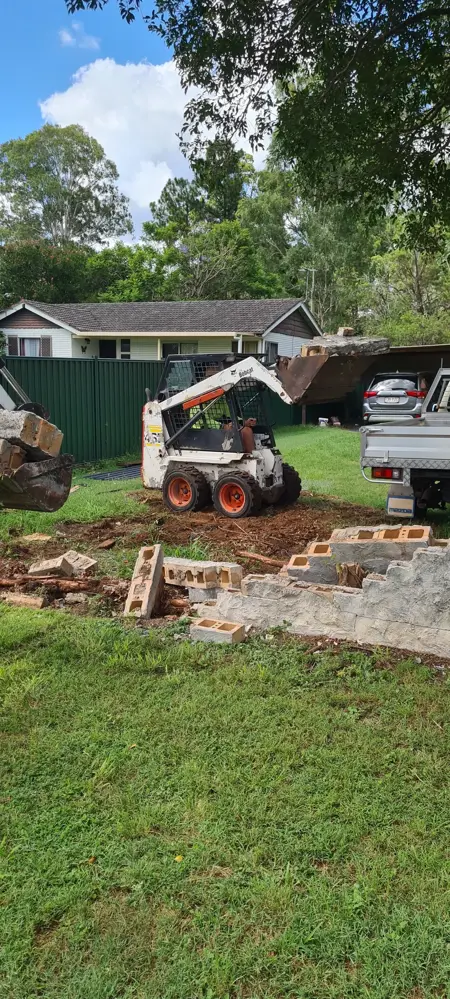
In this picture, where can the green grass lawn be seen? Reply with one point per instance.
(192, 822)
(328, 461)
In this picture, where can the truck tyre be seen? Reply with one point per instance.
(237, 495)
(185, 489)
(292, 485)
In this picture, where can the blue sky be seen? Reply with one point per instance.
(35, 63)
(116, 80)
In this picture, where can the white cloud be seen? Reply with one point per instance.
(136, 113)
(77, 38)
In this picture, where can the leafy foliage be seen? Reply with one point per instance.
(39, 270)
(57, 184)
(362, 89)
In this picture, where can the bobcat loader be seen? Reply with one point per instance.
(194, 448)
(33, 475)
(195, 439)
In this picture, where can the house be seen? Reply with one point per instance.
(150, 331)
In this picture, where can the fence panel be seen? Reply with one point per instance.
(97, 403)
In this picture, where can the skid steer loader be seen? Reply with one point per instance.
(196, 439)
(31, 478)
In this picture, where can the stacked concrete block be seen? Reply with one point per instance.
(222, 632)
(31, 433)
(316, 565)
(407, 608)
(146, 583)
(373, 548)
(197, 575)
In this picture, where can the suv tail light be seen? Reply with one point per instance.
(386, 473)
(416, 395)
(370, 395)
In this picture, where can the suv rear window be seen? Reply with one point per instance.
(384, 385)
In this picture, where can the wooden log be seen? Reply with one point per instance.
(64, 585)
(263, 558)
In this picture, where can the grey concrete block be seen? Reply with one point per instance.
(197, 595)
(312, 568)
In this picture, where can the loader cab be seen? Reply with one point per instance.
(212, 424)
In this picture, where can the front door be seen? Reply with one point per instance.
(107, 348)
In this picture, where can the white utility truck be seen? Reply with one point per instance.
(413, 457)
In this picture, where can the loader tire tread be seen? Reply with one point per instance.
(250, 486)
(202, 492)
(292, 485)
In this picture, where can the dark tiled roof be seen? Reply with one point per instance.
(238, 316)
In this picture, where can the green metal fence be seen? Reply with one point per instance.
(98, 403)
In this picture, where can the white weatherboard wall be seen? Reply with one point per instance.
(61, 339)
(288, 346)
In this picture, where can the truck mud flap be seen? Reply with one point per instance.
(38, 485)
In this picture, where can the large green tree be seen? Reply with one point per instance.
(57, 184)
(219, 182)
(38, 270)
(362, 88)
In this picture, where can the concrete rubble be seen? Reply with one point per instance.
(71, 565)
(407, 607)
(37, 437)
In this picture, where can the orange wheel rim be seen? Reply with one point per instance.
(179, 492)
(232, 497)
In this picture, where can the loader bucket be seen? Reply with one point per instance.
(38, 485)
(327, 372)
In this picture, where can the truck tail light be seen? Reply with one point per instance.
(386, 473)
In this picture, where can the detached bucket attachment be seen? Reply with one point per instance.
(38, 485)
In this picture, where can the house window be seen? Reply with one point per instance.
(125, 350)
(185, 347)
(30, 346)
(272, 352)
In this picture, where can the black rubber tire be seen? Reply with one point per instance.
(292, 485)
(252, 494)
(201, 494)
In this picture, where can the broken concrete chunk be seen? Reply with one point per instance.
(71, 564)
(208, 630)
(57, 567)
(146, 583)
(81, 565)
(11, 457)
(30, 432)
